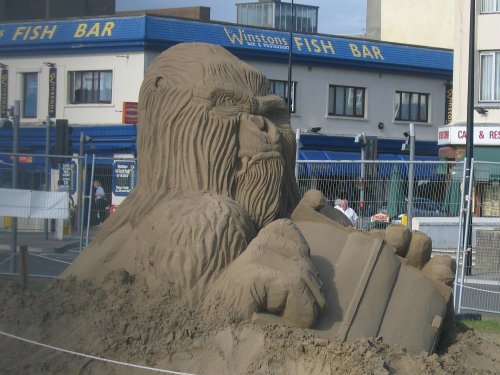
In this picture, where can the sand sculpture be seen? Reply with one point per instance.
(216, 219)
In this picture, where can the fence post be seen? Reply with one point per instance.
(15, 148)
(24, 265)
(91, 198)
(46, 222)
(411, 176)
(297, 154)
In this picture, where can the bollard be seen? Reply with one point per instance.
(24, 265)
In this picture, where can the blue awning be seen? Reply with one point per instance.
(328, 155)
(323, 169)
(319, 170)
(25, 162)
(103, 146)
(422, 171)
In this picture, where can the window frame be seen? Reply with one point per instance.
(398, 107)
(496, 7)
(76, 79)
(30, 113)
(332, 101)
(494, 94)
(272, 86)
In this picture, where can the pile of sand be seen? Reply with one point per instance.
(120, 320)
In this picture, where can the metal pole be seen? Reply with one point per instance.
(460, 244)
(91, 198)
(82, 198)
(79, 207)
(467, 240)
(411, 175)
(297, 153)
(47, 171)
(469, 143)
(15, 150)
(363, 177)
(23, 250)
(289, 88)
(47, 9)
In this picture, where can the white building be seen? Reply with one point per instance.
(86, 71)
(345, 86)
(486, 83)
(424, 22)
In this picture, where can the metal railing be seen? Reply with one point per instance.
(384, 186)
(438, 207)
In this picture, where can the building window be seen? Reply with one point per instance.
(490, 77)
(490, 6)
(411, 106)
(278, 15)
(280, 88)
(90, 87)
(30, 95)
(346, 101)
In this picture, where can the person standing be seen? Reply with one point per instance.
(63, 225)
(349, 212)
(338, 204)
(62, 187)
(100, 203)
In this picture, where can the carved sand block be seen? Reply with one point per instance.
(209, 223)
(369, 290)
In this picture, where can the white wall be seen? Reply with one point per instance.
(423, 22)
(486, 40)
(312, 93)
(128, 72)
(312, 97)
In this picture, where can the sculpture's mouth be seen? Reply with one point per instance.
(246, 162)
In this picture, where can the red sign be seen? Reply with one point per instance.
(485, 135)
(112, 209)
(130, 113)
(380, 217)
(23, 159)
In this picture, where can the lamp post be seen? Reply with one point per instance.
(469, 156)
(469, 143)
(47, 155)
(289, 88)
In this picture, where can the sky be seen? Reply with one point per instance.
(334, 16)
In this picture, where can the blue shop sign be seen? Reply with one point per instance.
(68, 172)
(124, 177)
(72, 31)
(164, 32)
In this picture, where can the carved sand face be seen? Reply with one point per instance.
(261, 122)
(260, 174)
(211, 118)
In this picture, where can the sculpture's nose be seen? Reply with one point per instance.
(265, 128)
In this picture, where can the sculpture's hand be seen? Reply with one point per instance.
(274, 274)
(416, 250)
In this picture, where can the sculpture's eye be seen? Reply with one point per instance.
(275, 109)
(224, 100)
(230, 100)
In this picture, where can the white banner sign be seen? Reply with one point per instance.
(34, 204)
(457, 135)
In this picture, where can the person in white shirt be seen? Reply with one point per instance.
(100, 203)
(338, 204)
(349, 212)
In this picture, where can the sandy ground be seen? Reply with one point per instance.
(120, 320)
